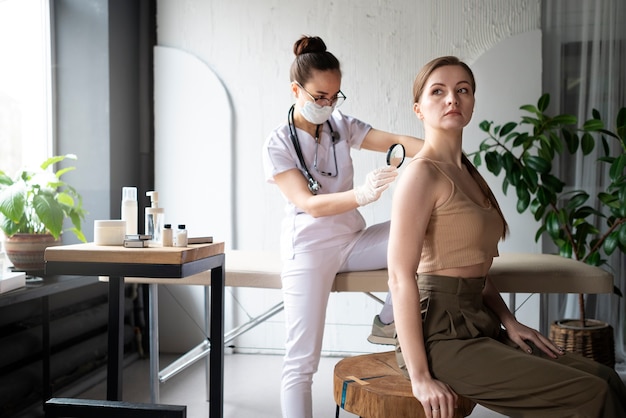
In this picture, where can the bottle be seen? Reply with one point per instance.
(155, 218)
(129, 209)
(181, 236)
(167, 236)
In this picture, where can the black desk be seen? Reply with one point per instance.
(116, 262)
(49, 286)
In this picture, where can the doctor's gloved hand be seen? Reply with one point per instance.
(375, 184)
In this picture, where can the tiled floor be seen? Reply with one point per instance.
(251, 388)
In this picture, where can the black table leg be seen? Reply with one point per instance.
(116, 338)
(45, 326)
(216, 356)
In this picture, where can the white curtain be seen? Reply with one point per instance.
(584, 68)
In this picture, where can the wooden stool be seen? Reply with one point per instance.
(372, 386)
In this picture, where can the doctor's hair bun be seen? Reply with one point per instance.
(309, 44)
(311, 55)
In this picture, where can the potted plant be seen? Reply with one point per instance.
(33, 207)
(581, 227)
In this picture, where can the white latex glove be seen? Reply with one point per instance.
(375, 184)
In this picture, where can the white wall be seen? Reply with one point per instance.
(381, 44)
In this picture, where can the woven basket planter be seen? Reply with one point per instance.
(594, 341)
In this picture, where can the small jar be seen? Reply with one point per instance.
(167, 237)
(181, 236)
(109, 232)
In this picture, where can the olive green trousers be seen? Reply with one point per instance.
(468, 350)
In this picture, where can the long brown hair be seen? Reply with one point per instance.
(418, 88)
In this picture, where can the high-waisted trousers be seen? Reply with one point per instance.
(468, 349)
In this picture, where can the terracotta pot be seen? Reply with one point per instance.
(26, 251)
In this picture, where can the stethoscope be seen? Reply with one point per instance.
(314, 185)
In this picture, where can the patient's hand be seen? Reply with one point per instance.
(520, 334)
(437, 398)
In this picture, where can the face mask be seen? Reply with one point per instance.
(316, 114)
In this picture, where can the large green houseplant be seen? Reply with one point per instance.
(586, 228)
(34, 205)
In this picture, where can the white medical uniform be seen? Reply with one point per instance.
(314, 250)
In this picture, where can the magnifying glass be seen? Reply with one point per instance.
(395, 155)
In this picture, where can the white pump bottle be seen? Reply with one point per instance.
(155, 218)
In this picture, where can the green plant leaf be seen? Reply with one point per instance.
(65, 199)
(565, 119)
(620, 123)
(535, 205)
(62, 171)
(13, 201)
(556, 145)
(552, 224)
(565, 249)
(485, 125)
(56, 159)
(49, 212)
(519, 140)
(537, 164)
(530, 179)
(608, 199)
(552, 183)
(571, 140)
(530, 109)
(586, 211)
(514, 175)
(593, 259)
(546, 153)
(543, 196)
(593, 125)
(508, 127)
(587, 143)
(595, 113)
(4, 179)
(578, 199)
(617, 167)
(493, 161)
(79, 234)
(523, 199)
(610, 243)
(477, 160)
(505, 186)
(544, 102)
(621, 234)
(536, 123)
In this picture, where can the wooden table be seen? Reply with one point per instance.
(168, 263)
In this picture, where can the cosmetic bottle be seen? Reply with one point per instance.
(129, 209)
(155, 218)
(167, 236)
(181, 236)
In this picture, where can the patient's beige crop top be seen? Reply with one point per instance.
(460, 232)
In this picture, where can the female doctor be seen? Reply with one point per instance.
(323, 233)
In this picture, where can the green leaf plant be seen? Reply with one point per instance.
(523, 154)
(37, 202)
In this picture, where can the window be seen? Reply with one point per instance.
(25, 84)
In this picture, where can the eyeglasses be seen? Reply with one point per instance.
(317, 145)
(335, 101)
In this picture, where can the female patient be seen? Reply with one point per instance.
(456, 335)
